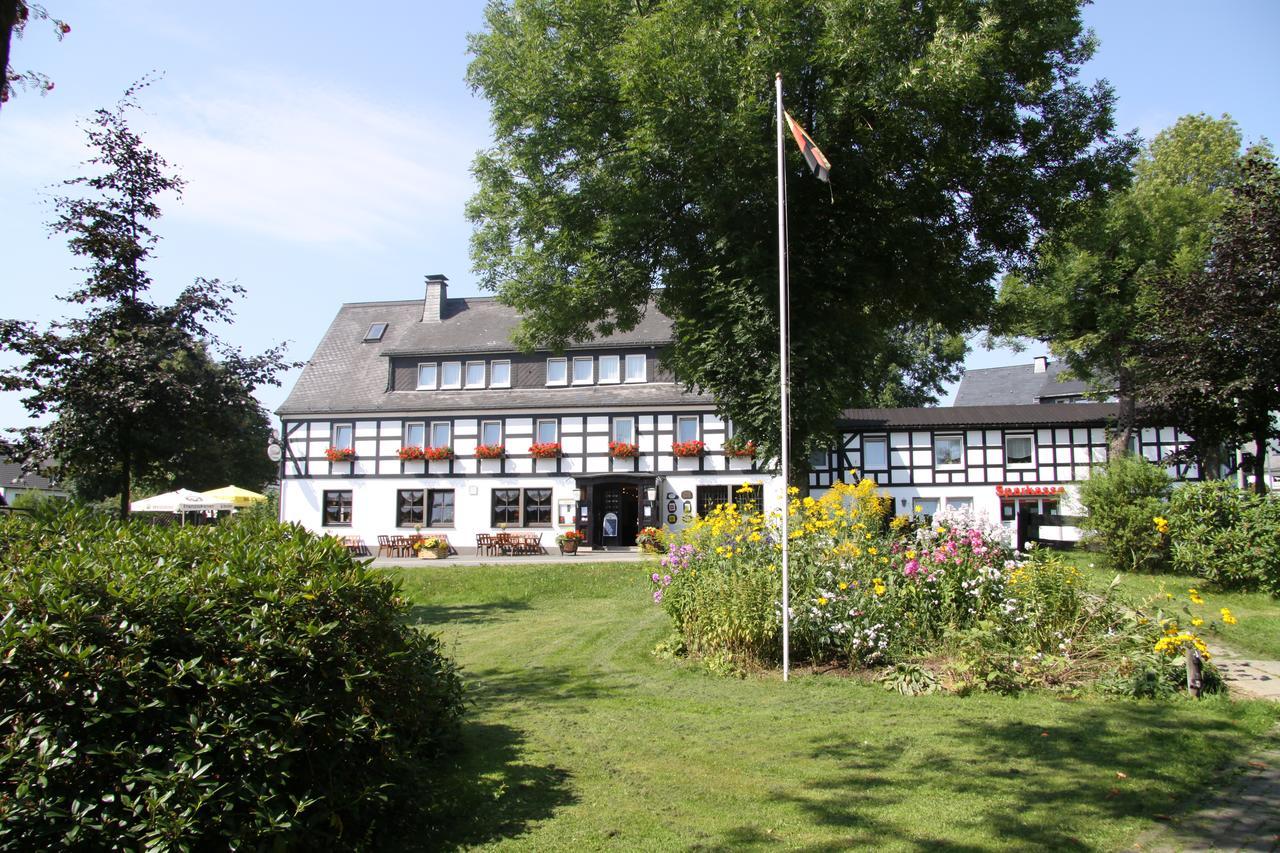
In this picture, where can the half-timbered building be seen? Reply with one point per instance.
(422, 414)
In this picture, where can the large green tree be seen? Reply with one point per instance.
(634, 161)
(1088, 289)
(128, 388)
(1211, 354)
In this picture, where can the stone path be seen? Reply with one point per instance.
(1245, 814)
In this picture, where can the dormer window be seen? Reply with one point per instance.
(375, 333)
(475, 374)
(451, 374)
(637, 368)
(609, 367)
(557, 371)
(583, 371)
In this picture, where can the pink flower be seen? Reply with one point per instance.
(911, 568)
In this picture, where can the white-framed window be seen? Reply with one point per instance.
(926, 506)
(491, 432)
(960, 503)
(1019, 449)
(637, 368)
(475, 374)
(623, 430)
(451, 374)
(583, 370)
(427, 376)
(440, 433)
(415, 434)
(687, 428)
(610, 367)
(557, 371)
(547, 432)
(875, 453)
(819, 459)
(500, 374)
(948, 451)
(344, 436)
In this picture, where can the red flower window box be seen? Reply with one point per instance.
(490, 451)
(623, 450)
(688, 448)
(340, 454)
(437, 454)
(545, 450)
(410, 454)
(740, 449)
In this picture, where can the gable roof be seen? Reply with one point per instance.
(11, 475)
(348, 374)
(1027, 415)
(1016, 385)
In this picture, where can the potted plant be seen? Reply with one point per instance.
(623, 450)
(737, 447)
(544, 449)
(410, 454)
(433, 548)
(651, 540)
(570, 540)
(437, 454)
(687, 448)
(490, 451)
(340, 454)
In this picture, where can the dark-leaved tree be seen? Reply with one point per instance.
(128, 388)
(634, 160)
(1212, 350)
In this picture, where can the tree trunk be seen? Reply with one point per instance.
(1259, 460)
(8, 18)
(1127, 417)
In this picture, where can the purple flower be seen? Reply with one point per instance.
(654, 577)
(657, 596)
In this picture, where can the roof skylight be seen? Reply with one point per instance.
(376, 331)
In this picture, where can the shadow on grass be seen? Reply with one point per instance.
(1025, 783)
(541, 685)
(429, 615)
(496, 792)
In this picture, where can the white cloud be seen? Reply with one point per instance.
(309, 164)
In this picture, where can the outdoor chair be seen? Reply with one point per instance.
(384, 546)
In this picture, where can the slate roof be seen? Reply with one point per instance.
(1008, 386)
(11, 475)
(348, 375)
(1027, 415)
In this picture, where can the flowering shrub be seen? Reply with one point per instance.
(687, 448)
(410, 453)
(950, 595)
(490, 451)
(437, 454)
(1226, 535)
(623, 450)
(739, 448)
(651, 540)
(544, 449)
(339, 454)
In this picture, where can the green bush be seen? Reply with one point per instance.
(1123, 501)
(238, 685)
(1226, 535)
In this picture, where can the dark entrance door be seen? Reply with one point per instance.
(616, 510)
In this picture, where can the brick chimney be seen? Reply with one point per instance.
(1041, 364)
(433, 304)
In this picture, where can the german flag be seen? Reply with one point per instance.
(813, 155)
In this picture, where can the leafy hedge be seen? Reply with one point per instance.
(1226, 535)
(1123, 501)
(240, 685)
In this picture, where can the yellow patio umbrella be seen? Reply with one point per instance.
(235, 495)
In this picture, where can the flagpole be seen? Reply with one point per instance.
(784, 383)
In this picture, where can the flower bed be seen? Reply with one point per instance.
(945, 605)
(437, 454)
(545, 450)
(687, 448)
(490, 451)
(652, 540)
(623, 450)
(340, 454)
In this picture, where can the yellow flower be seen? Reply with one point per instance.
(919, 508)
(1227, 617)
(822, 602)
(872, 551)
(843, 585)
(1195, 597)
(745, 489)
(1196, 621)
(1162, 524)
(911, 555)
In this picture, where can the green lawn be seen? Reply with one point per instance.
(1258, 632)
(581, 739)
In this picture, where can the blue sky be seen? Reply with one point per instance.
(328, 152)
